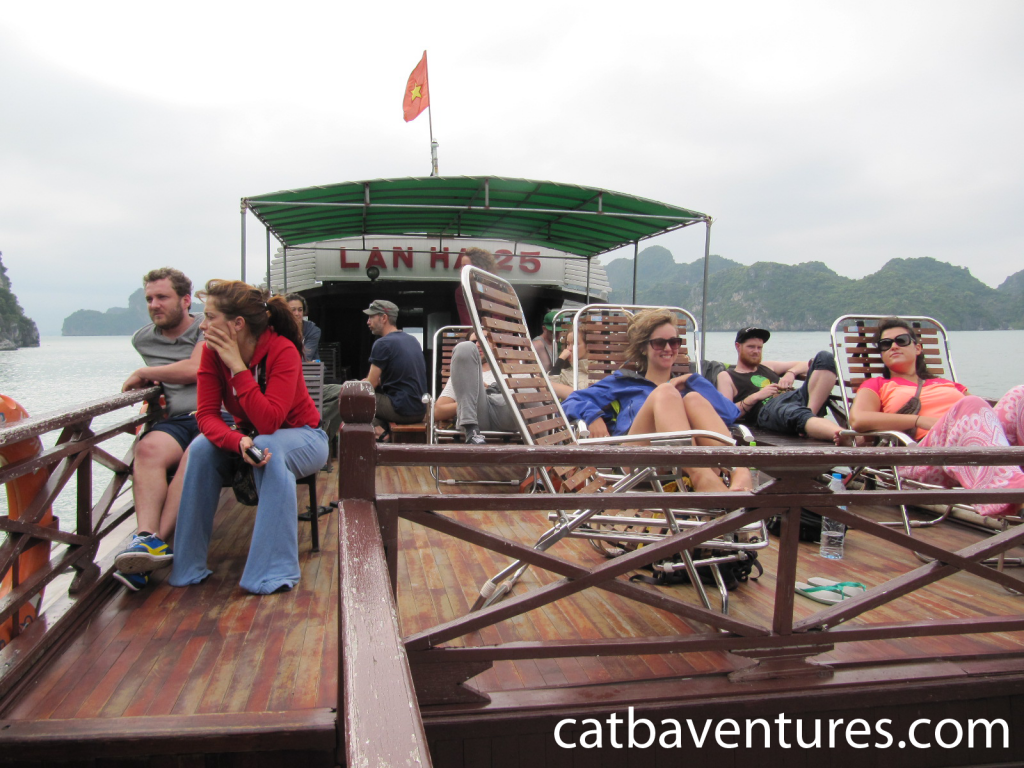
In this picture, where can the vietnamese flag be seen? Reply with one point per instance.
(417, 92)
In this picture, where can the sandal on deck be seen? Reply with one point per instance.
(830, 592)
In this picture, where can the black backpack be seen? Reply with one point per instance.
(733, 574)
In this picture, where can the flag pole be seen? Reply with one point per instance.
(430, 120)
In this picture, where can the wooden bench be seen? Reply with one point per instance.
(408, 433)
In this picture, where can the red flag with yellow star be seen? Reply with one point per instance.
(417, 92)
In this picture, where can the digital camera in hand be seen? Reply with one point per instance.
(254, 453)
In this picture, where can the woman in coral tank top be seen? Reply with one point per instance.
(948, 415)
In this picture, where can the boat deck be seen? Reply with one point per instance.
(213, 649)
(439, 578)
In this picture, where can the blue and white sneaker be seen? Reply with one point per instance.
(146, 553)
(134, 581)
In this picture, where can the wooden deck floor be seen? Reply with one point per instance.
(439, 578)
(213, 649)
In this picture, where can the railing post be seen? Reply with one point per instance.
(772, 663)
(357, 463)
(357, 467)
(357, 447)
(83, 481)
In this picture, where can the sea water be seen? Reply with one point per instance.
(62, 372)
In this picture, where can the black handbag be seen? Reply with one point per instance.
(243, 483)
(912, 407)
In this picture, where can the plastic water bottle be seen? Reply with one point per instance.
(833, 533)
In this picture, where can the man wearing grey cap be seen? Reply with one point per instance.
(397, 371)
(763, 389)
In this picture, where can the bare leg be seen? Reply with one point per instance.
(156, 454)
(561, 390)
(169, 514)
(819, 387)
(821, 429)
(663, 411)
(702, 415)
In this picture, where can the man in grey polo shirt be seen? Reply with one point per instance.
(171, 350)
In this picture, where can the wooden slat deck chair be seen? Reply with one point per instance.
(313, 374)
(561, 324)
(498, 320)
(329, 353)
(603, 328)
(858, 359)
(445, 340)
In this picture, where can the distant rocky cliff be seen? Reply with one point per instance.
(810, 296)
(116, 321)
(16, 330)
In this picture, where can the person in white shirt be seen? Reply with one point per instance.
(472, 396)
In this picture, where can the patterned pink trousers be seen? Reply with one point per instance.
(973, 422)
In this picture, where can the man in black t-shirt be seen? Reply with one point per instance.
(763, 389)
(397, 370)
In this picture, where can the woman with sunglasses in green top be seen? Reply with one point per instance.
(938, 413)
(643, 397)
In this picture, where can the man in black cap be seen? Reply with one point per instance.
(763, 389)
(397, 371)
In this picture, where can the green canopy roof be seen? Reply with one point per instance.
(580, 220)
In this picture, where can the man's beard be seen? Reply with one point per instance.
(171, 319)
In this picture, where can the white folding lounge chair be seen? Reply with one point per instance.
(853, 344)
(498, 320)
(445, 340)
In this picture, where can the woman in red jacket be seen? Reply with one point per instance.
(253, 365)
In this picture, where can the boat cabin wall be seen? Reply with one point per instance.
(337, 308)
(339, 279)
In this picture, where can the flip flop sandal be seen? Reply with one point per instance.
(829, 595)
(849, 588)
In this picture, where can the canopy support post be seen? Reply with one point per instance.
(269, 289)
(285, 270)
(704, 294)
(588, 279)
(242, 211)
(636, 255)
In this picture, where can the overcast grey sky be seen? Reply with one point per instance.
(812, 131)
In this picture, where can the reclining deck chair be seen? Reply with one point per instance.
(498, 320)
(313, 375)
(858, 359)
(603, 327)
(445, 340)
(561, 323)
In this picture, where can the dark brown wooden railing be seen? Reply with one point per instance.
(378, 720)
(781, 647)
(78, 446)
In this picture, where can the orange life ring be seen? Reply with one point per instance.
(144, 409)
(20, 493)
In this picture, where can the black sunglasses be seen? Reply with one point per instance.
(659, 344)
(903, 340)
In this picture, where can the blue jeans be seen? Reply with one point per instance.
(273, 560)
(788, 413)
